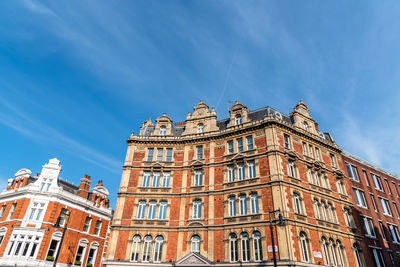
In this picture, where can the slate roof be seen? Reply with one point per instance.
(253, 115)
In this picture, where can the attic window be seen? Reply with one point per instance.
(200, 128)
(163, 130)
(306, 126)
(238, 119)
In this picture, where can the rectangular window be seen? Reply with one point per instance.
(359, 197)
(254, 203)
(197, 209)
(86, 226)
(10, 214)
(198, 177)
(249, 140)
(394, 233)
(368, 227)
(150, 153)
(52, 250)
(97, 227)
(156, 179)
(160, 154)
(2, 210)
(339, 186)
(347, 216)
(36, 211)
(365, 177)
(333, 160)
(232, 206)
(243, 205)
(152, 210)
(141, 209)
(251, 167)
(292, 172)
(394, 186)
(317, 155)
(309, 176)
(199, 152)
(240, 167)
(166, 178)
(286, 140)
(382, 231)
(396, 210)
(239, 144)
(377, 256)
(146, 179)
(311, 151)
(297, 203)
(373, 202)
(352, 171)
(231, 173)
(377, 182)
(385, 206)
(79, 255)
(169, 154)
(162, 211)
(305, 149)
(230, 147)
(388, 187)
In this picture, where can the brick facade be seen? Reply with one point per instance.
(224, 178)
(28, 234)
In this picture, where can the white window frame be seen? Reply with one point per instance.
(242, 205)
(241, 171)
(251, 168)
(135, 248)
(231, 173)
(198, 178)
(232, 206)
(197, 209)
(162, 210)
(254, 203)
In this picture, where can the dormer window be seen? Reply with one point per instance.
(238, 119)
(306, 126)
(200, 128)
(163, 130)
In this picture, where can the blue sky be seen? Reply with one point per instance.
(76, 77)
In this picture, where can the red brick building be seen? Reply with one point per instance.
(375, 210)
(30, 208)
(198, 193)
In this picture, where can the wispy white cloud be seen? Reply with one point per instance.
(43, 133)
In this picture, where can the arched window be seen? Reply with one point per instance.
(357, 253)
(200, 128)
(233, 247)
(340, 253)
(163, 130)
(80, 252)
(316, 175)
(245, 246)
(54, 246)
(197, 209)
(333, 252)
(91, 259)
(158, 249)
(147, 248)
(297, 203)
(325, 250)
(257, 246)
(195, 244)
(304, 247)
(238, 119)
(306, 126)
(339, 186)
(141, 209)
(135, 248)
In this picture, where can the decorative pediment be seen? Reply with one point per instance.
(197, 162)
(238, 156)
(23, 173)
(193, 259)
(318, 164)
(156, 165)
(291, 154)
(196, 223)
(339, 172)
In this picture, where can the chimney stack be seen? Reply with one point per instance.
(84, 186)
